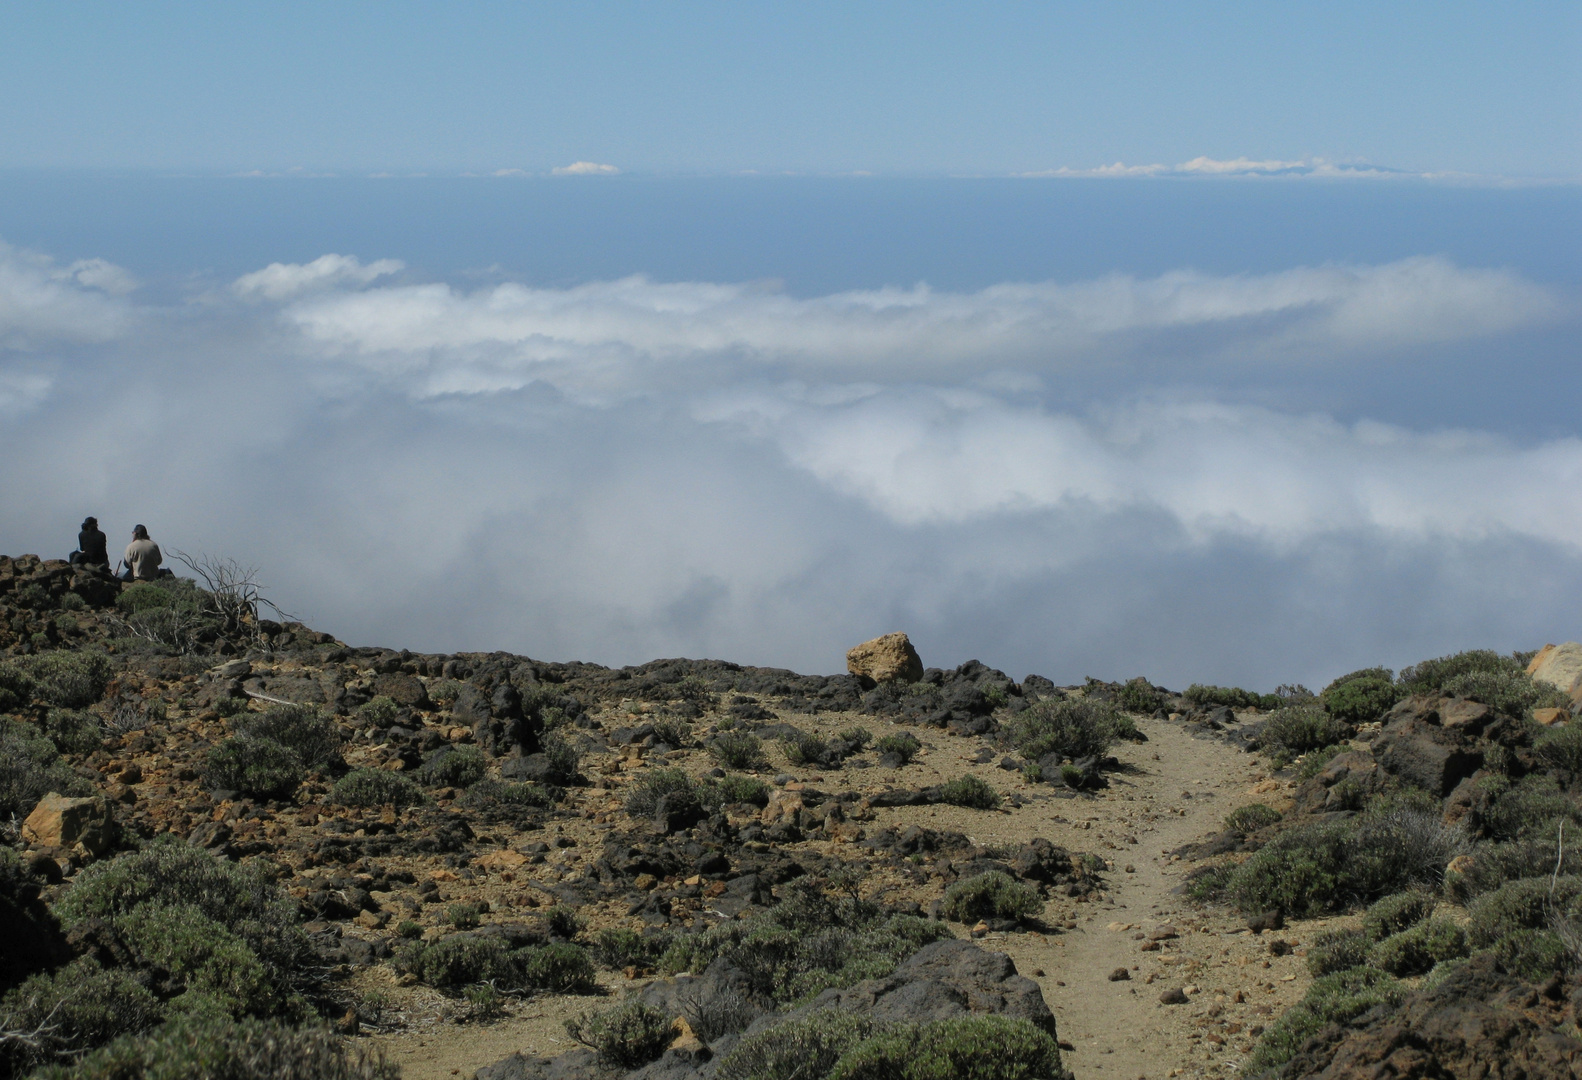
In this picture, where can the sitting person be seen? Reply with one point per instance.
(92, 546)
(142, 557)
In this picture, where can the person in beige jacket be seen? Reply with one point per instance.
(142, 557)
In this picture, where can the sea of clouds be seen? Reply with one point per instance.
(628, 469)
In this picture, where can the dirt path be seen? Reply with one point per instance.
(1176, 790)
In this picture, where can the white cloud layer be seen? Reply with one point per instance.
(611, 338)
(584, 168)
(1242, 166)
(631, 469)
(280, 281)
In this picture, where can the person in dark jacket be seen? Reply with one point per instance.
(92, 545)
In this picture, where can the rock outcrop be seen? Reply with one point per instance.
(886, 659)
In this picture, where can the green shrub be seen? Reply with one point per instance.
(1333, 999)
(806, 1047)
(73, 731)
(302, 729)
(171, 872)
(376, 787)
(560, 967)
(671, 732)
(643, 797)
(1527, 904)
(380, 712)
(260, 768)
(1415, 951)
(969, 791)
(1209, 884)
(225, 1050)
(230, 706)
(1250, 818)
(1560, 748)
(16, 687)
(804, 748)
(1533, 954)
(30, 768)
(562, 922)
(1362, 696)
(459, 767)
(736, 750)
(1296, 729)
(444, 691)
(499, 799)
(961, 1048)
(992, 895)
(69, 680)
(734, 788)
(619, 947)
(201, 956)
(409, 930)
(1396, 913)
(1076, 728)
(1312, 869)
(1140, 696)
(1431, 676)
(142, 597)
(463, 916)
(461, 959)
(855, 737)
(78, 1007)
(1337, 950)
(1235, 697)
(902, 744)
(628, 1036)
(1534, 806)
(562, 758)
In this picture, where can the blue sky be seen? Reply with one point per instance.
(823, 87)
(1289, 394)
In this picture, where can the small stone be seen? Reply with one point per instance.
(1279, 947)
(1173, 996)
(1189, 990)
(1163, 932)
(980, 930)
(1120, 974)
(373, 920)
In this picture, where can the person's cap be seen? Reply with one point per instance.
(89, 521)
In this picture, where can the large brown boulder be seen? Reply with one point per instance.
(1559, 666)
(61, 822)
(884, 659)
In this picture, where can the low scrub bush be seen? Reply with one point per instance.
(302, 729)
(1312, 869)
(804, 748)
(463, 959)
(672, 733)
(74, 1009)
(1333, 999)
(225, 1050)
(1527, 904)
(1534, 806)
(969, 791)
(16, 687)
(855, 737)
(562, 922)
(73, 731)
(380, 712)
(1235, 697)
(1076, 728)
(627, 1036)
(463, 916)
(621, 948)
(170, 873)
(30, 768)
(1250, 818)
(444, 691)
(806, 1047)
(642, 799)
(1140, 696)
(1396, 913)
(736, 750)
(1415, 951)
(376, 787)
(459, 767)
(1533, 955)
(1511, 692)
(1337, 950)
(1362, 696)
(966, 1047)
(203, 957)
(260, 768)
(69, 680)
(1560, 748)
(993, 895)
(1297, 729)
(500, 800)
(735, 788)
(562, 758)
(903, 745)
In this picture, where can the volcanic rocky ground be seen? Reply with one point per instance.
(1140, 980)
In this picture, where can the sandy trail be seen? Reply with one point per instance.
(1176, 789)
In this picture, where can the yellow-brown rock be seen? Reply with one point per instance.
(885, 659)
(58, 821)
